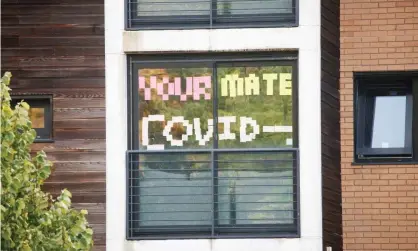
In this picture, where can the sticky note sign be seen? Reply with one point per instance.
(249, 129)
(232, 85)
(196, 87)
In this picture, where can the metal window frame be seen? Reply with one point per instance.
(209, 21)
(209, 59)
(368, 85)
(44, 135)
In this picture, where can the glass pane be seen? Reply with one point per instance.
(255, 106)
(255, 188)
(175, 108)
(175, 189)
(245, 7)
(37, 117)
(173, 8)
(389, 122)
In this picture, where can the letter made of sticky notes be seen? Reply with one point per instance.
(198, 90)
(252, 85)
(285, 84)
(145, 137)
(234, 83)
(269, 78)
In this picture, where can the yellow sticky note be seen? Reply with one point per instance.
(232, 82)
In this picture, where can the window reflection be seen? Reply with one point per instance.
(228, 7)
(389, 122)
(37, 117)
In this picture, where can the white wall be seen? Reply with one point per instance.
(305, 39)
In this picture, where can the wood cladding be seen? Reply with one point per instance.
(57, 47)
(330, 126)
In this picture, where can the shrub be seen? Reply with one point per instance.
(30, 218)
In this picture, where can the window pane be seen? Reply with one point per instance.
(255, 106)
(255, 188)
(173, 8)
(175, 108)
(37, 117)
(389, 122)
(245, 7)
(175, 189)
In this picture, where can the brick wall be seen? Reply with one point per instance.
(380, 203)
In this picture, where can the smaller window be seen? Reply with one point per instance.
(384, 118)
(40, 114)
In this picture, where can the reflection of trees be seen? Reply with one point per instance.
(266, 110)
(174, 107)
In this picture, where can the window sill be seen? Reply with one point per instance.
(138, 237)
(43, 141)
(380, 163)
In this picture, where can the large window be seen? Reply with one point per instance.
(164, 14)
(385, 113)
(213, 147)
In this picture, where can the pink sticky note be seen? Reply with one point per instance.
(153, 82)
(189, 89)
(198, 90)
(177, 86)
(147, 91)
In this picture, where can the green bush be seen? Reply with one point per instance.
(30, 218)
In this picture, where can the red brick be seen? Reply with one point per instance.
(380, 202)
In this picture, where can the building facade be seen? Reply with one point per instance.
(55, 52)
(379, 173)
(187, 125)
(223, 125)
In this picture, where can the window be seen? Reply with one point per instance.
(213, 147)
(40, 114)
(385, 117)
(165, 14)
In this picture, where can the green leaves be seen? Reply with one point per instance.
(30, 219)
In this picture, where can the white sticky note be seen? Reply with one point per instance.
(268, 128)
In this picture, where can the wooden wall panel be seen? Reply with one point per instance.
(57, 47)
(330, 126)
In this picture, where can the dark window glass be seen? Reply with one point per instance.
(40, 114)
(175, 190)
(147, 14)
(255, 189)
(213, 149)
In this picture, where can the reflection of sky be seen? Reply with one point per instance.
(389, 122)
(260, 197)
